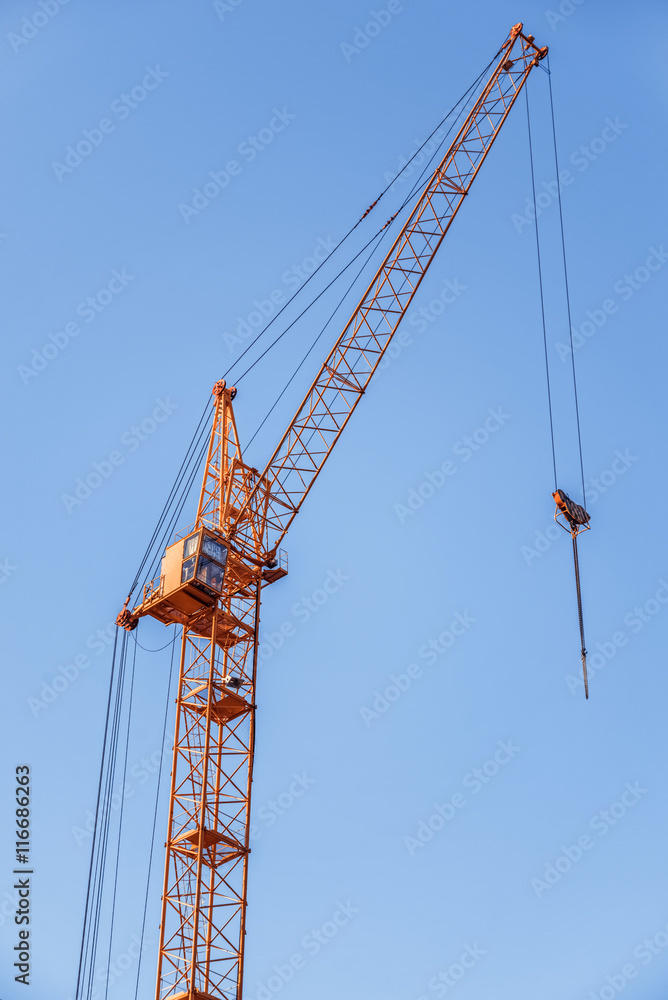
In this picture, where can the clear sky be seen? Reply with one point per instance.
(542, 869)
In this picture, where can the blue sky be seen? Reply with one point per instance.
(128, 373)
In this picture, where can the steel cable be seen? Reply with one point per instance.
(89, 889)
(352, 229)
(99, 846)
(120, 820)
(574, 531)
(382, 233)
(566, 285)
(155, 814)
(179, 477)
(542, 295)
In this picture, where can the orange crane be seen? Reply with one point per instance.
(212, 576)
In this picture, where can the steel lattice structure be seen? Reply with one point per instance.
(204, 899)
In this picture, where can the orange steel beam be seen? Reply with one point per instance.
(344, 376)
(202, 928)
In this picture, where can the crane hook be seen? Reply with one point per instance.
(577, 520)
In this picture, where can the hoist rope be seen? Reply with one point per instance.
(568, 297)
(103, 879)
(542, 294)
(120, 820)
(202, 426)
(190, 472)
(566, 288)
(310, 304)
(178, 509)
(106, 820)
(103, 808)
(98, 851)
(273, 319)
(573, 526)
(155, 814)
(80, 974)
(311, 348)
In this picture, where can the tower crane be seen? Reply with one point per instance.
(212, 575)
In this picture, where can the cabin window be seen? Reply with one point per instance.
(214, 549)
(210, 573)
(190, 545)
(188, 569)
